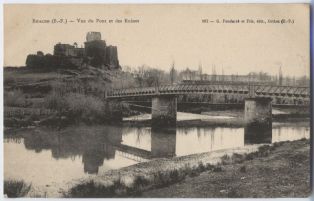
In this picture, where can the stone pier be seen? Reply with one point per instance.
(164, 111)
(258, 119)
(257, 112)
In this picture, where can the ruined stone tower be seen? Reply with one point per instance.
(91, 36)
(99, 54)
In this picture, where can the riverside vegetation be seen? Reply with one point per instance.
(58, 98)
(15, 188)
(67, 96)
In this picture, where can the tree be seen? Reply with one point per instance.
(214, 73)
(200, 71)
(280, 76)
(173, 73)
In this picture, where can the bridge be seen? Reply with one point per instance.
(241, 89)
(258, 98)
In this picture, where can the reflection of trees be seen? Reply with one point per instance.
(12, 139)
(94, 144)
(140, 131)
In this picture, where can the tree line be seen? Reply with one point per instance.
(147, 76)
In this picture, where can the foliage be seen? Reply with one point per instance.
(14, 98)
(15, 188)
(86, 108)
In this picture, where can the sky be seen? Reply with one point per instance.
(170, 33)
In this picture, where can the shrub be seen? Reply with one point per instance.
(140, 181)
(225, 159)
(56, 101)
(14, 98)
(15, 188)
(237, 158)
(209, 166)
(233, 193)
(201, 167)
(243, 169)
(87, 108)
(264, 150)
(251, 156)
(217, 169)
(91, 190)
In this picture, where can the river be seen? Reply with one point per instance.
(44, 156)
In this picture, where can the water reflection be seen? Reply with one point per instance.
(59, 156)
(163, 142)
(198, 140)
(257, 134)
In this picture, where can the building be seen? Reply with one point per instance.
(95, 53)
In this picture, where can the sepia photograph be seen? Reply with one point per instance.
(156, 101)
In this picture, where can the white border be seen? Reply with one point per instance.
(131, 2)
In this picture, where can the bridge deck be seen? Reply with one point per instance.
(245, 90)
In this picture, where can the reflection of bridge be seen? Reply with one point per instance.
(257, 103)
(241, 89)
(133, 151)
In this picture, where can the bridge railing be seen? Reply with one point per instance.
(250, 90)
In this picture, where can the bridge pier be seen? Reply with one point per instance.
(257, 112)
(164, 111)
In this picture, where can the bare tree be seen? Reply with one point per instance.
(173, 73)
(200, 71)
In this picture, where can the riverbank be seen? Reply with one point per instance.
(284, 172)
(228, 118)
(144, 169)
(278, 170)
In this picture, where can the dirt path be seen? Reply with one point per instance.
(285, 172)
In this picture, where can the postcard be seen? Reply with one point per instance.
(156, 100)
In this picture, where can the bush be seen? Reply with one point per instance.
(237, 158)
(15, 188)
(233, 193)
(264, 150)
(225, 159)
(243, 169)
(217, 169)
(139, 184)
(86, 108)
(89, 109)
(140, 181)
(56, 101)
(201, 167)
(14, 98)
(91, 190)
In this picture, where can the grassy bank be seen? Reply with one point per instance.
(282, 170)
(257, 166)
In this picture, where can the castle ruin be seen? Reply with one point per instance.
(95, 53)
